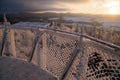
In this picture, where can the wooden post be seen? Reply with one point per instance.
(12, 43)
(3, 41)
(34, 46)
(44, 49)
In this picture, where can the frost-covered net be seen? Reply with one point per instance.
(102, 63)
(58, 49)
(98, 62)
(24, 42)
(54, 51)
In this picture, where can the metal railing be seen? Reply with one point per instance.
(66, 55)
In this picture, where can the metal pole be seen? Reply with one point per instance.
(34, 46)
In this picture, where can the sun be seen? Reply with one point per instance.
(113, 7)
(113, 11)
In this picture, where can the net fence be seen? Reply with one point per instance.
(64, 55)
(58, 49)
(97, 63)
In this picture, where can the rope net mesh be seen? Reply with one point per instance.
(23, 42)
(59, 48)
(98, 62)
(73, 72)
(54, 50)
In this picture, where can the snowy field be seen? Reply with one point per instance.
(106, 23)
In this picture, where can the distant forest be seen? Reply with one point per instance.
(17, 17)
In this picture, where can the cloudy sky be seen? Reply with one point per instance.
(60, 6)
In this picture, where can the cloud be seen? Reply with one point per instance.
(84, 6)
(77, 1)
(34, 5)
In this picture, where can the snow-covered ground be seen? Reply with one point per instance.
(77, 19)
(106, 23)
(54, 18)
(34, 24)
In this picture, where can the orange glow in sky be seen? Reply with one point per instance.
(80, 6)
(113, 7)
(94, 7)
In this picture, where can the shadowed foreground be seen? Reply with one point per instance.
(15, 69)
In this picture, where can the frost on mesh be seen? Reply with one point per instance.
(23, 42)
(101, 63)
(98, 63)
(60, 47)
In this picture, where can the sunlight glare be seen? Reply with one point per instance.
(113, 7)
(113, 11)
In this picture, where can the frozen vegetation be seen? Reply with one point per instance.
(54, 50)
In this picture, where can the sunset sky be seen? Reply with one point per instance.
(62, 6)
